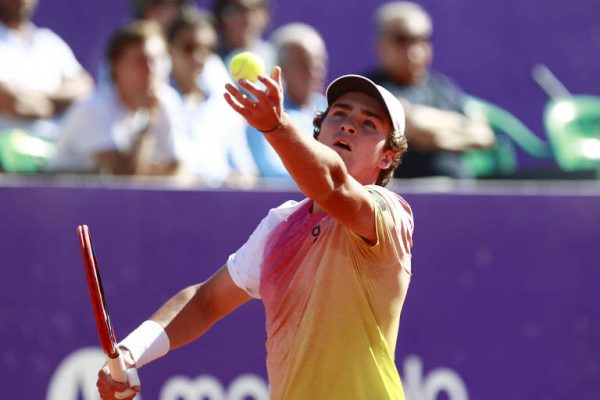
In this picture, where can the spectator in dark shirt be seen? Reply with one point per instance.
(437, 130)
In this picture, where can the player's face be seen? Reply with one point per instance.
(357, 128)
(189, 51)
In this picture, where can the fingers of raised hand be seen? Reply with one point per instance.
(273, 84)
(261, 96)
(240, 98)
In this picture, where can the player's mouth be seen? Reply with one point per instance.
(342, 143)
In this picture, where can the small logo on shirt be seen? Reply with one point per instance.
(316, 231)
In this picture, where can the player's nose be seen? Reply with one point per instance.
(347, 126)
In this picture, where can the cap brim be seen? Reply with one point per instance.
(358, 83)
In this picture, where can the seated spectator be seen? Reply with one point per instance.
(214, 74)
(437, 130)
(241, 24)
(39, 75)
(135, 125)
(218, 152)
(302, 56)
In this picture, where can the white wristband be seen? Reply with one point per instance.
(147, 343)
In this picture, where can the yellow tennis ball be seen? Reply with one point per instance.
(247, 65)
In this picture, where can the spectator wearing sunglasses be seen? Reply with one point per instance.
(218, 152)
(438, 132)
(165, 12)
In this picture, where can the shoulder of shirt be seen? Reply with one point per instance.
(96, 103)
(42, 33)
(399, 204)
(280, 213)
(289, 205)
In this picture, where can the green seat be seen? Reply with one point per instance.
(573, 127)
(22, 153)
(510, 133)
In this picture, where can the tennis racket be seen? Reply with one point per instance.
(116, 364)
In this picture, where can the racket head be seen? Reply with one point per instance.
(92, 273)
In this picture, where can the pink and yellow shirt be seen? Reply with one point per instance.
(332, 301)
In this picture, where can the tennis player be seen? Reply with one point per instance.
(332, 270)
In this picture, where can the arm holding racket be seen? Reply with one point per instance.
(182, 319)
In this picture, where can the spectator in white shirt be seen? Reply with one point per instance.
(39, 74)
(137, 124)
(218, 153)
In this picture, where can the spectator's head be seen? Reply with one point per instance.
(302, 55)
(403, 46)
(14, 12)
(241, 22)
(134, 54)
(164, 12)
(192, 38)
(366, 122)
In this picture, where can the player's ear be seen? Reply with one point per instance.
(386, 159)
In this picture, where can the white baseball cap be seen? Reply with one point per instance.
(358, 83)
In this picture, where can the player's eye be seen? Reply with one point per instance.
(369, 123)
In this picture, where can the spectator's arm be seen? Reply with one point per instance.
(136, 161)
(24, 103)
(71, 89)
(432, 129)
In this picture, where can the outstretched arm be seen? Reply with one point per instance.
(318, 170)
(185, 317)
(192, 311)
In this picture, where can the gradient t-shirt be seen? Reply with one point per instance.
(332, 301)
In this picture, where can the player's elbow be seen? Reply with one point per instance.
(326, 186)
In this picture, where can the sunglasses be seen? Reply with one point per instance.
(192, 48)
(402, 39)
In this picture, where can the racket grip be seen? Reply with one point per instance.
(118, 371)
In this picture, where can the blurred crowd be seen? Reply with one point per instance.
(155, 104)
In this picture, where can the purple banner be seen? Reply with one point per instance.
(503, 302)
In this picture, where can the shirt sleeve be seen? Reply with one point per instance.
(69, 66)
(394, 227)
(245, 264)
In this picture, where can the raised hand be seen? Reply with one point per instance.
(265, 112)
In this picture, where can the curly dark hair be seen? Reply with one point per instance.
(396, 141)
